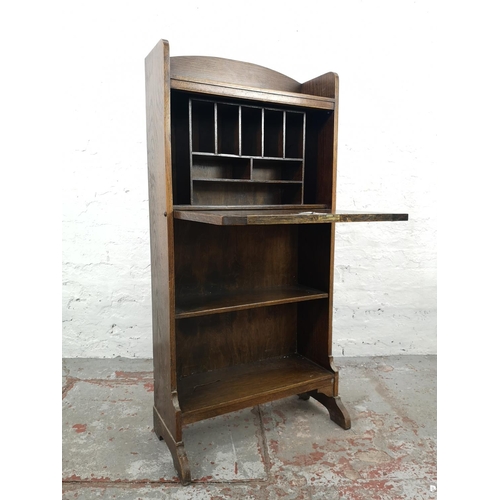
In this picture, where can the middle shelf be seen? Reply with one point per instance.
(190, 305)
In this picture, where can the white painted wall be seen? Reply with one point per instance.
(385, 55)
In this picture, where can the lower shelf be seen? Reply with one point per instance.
(217, 392)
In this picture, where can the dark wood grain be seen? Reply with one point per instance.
(160, 202)
(242, 173)
(167, 418)
(212, 259)
(215, 341)
(321, 143)
(218, 392)
(229, 78)
(336, 409)
(319, 161)
(176, 448)
(314, 323)
(220, 132)
(219, 70)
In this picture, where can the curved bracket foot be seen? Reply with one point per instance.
(181, 463)
(336, 409)
(177, 450)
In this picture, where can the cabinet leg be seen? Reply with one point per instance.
(181, 463)
(177, 450)
(335, 407)
(304, 396)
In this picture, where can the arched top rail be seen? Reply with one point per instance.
(243, 80)
(229, 71)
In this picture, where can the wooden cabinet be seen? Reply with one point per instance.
(242, 181)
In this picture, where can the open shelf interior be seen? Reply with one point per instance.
(246, 193)
(203, 126)
(242, 293)
(214, 262)
(271, 170)
(219, 168)
(209, 394)
(240, 153)
(246, 155)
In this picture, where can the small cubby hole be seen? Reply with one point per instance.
(203, 126)
(251, 131)
(228, 129)
(276, 170)
(246, 193)
(294, 132)
(273, 133)
(220, 167)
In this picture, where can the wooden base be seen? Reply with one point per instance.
(177, 450)
(334, 405)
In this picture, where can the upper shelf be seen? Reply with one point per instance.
(252, 93)
(299, 215)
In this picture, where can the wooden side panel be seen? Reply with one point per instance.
(219, 70)
(161, 233)
(318, 173)
(314, 319)
(315, 337)
(323, 85)
(321, 144)
(335, 143)
(313, 331)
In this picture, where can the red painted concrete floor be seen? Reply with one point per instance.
(288, 449)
